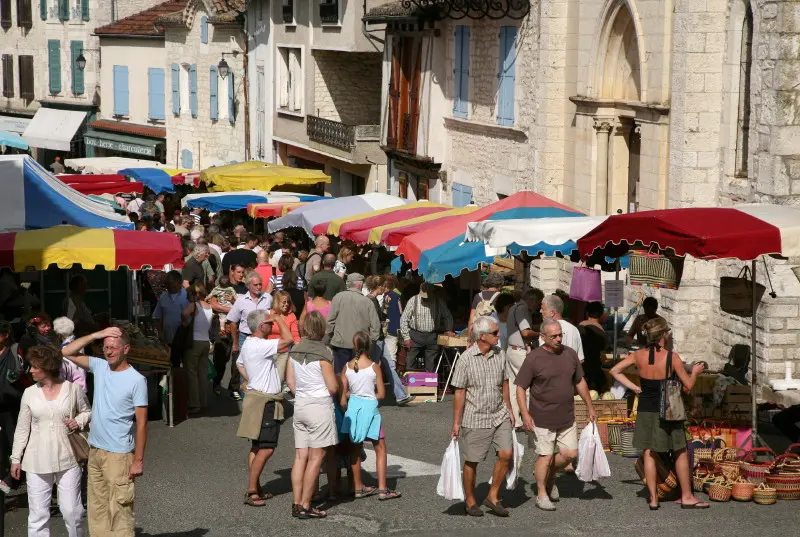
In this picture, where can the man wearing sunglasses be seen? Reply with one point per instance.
(552, 373)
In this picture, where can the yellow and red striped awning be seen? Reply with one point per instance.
(272, 210)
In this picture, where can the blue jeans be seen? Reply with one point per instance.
(384, 352)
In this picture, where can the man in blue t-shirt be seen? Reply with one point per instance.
(116, 454)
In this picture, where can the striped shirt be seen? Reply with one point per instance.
(277, 282)
(430, 315)
(482, 377)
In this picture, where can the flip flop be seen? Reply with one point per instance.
(698, 505)
(366, 492)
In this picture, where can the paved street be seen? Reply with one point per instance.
(194, 483)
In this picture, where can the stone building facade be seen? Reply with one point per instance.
(622, 105)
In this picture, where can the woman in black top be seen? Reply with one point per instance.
(593, 337)
(289, 283)
(654, 435)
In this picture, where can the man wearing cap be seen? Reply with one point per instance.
(350, 312)
(424, 318)
(57, 167)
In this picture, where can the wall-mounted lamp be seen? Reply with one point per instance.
(222, 67)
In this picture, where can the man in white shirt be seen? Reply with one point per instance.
(258, 367)
(135, 205)
(553, 308)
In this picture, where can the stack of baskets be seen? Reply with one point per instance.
(753, 471)
(784, 475)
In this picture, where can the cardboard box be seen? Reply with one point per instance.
(422, 394)
(738, 395)
(418, 379)
(452, 341)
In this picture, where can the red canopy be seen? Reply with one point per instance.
(90, 178)
(124, 187)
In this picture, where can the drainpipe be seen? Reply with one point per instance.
(246, 100)
(371, 38)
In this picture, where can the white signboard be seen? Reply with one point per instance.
(614, 293)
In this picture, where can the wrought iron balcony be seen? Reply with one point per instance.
(473, 9)
(337, 134)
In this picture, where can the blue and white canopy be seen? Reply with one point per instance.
(233, 201)
(34, 199)
(534, 236)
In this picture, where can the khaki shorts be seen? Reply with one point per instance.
(546, 440)
(475, 443)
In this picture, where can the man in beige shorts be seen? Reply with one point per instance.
(552, 373)
(482, 417)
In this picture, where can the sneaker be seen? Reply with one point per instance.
(553, 493)
(236, 395)
(544, 503)
(404, 402)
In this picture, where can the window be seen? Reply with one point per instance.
(54, 65)
(175, 73)
(213, 93)
(120, 90)
(84, 10)
(745, 65)
(24, 14)
(329, 11)
(461, 72)
(193, 89)
(462, 195)
(186, 159)
(261, 119)
(5, 13)
(506, 75)
(75, 48)
(26, 77)
(287, 11)
(156, 94)
(290, 80)
(63, 10)
(404, 94)
(423, 188)
(43, 9)
(8, 75)
(204, 30)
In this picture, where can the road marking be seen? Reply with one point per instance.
(397, 466)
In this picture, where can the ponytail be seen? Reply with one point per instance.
(361, 345)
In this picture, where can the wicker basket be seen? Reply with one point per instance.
(786, 485)
(756, 472)
(627, 443)
(699, 480)
(615, 436)
(742, 491)
(720, 491)
(724, 454)
(764, 495)
(609, 408)
(602, 430)
(729, 469)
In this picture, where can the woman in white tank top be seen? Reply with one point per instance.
(362, 388)
(195, 359)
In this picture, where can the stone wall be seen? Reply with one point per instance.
(126, 8)
(347, 86)
(211, 142)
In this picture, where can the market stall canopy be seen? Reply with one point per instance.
(391, 235)
(325, 210)
(33, 199)
(101, 184)
(533, 236)
(233, 201)
(65, 246)
(10, 139)
(257, 175)
(156, 179)
(357, 227)
(441, 251)
(272, 210)
(187, 178)
(52, 128)
(105, 165)
(743, 232)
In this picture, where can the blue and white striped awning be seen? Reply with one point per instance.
(233, 201)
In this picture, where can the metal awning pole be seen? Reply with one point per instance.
(754, 362)
(616, 314)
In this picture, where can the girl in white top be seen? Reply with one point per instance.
(195, 357)
(49, 411)
(362, 388)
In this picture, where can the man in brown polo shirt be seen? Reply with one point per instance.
(552, 372)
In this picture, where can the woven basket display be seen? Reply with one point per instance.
(699, 480)
(602, 430)
(724, 454)
(610, 408)
(764, 495)
(719, 491)
(742, 491)
(615, 436)
(730, 469)
(627, 443)
(756, 472)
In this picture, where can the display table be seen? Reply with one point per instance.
(452, 347)
(785, 398)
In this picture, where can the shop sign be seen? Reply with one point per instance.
(120, 146)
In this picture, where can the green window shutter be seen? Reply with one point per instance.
(54, 64)
(85, 10)
(77, 75)
(63, 10)
(43, 9)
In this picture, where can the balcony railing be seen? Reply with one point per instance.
(337, 134)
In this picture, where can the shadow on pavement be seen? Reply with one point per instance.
(197, 532)
(281, 485)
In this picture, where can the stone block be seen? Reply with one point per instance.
(703, 63)
(772, 339)
(785, 140)
(787, 74)
(781, 310)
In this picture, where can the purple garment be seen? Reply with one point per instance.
(73, 373)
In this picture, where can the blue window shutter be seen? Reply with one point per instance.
(193, 89)
(213, 92)
(85, 10)
(204, 30)
(461, 72)
(43, 9)
(186, 159)
(456, 195)
(466, 194)
(176, 89)
(54, 64)
(77, 75)
(156, 93)
(120, 90)
(508, 55)
(63, 10)
(231, 99)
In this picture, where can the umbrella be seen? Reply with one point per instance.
(326, 210)
(440, 250)
(233, 201)
(108, 164)
(391, 235)
(65, 246)
(357, 227)
(257, 175)
(743, 232)
(272, 210)
(155, 179)
(9, 139)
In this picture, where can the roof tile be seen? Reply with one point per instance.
(143, 23)
(129, 128)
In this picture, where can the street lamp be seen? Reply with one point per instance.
(80, 61)
(222, 67)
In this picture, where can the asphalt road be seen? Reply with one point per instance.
(195, 480)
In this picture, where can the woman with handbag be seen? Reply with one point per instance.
(661, 415)
(51, 413)
(197, 316)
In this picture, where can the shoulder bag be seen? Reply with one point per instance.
(671, 404)
(78, 439)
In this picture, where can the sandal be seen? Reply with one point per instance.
(385, 495)
(365, 492)
(298, 511)
(252, 498)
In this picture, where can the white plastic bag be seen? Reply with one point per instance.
(450, 485)
(516, 463)
(592, 461)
